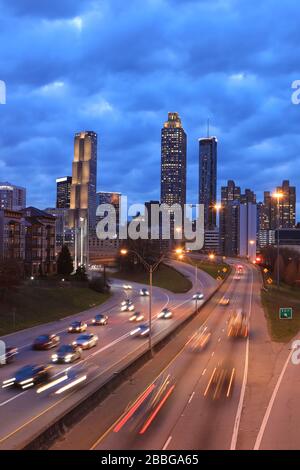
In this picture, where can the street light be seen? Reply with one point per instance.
(277, 195)
(211, 256)
(151, 268)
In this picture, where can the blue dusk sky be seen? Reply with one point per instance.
(117, 67)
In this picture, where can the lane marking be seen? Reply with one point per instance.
(203, 373)
(12, 398)
(191, 397)
(245, 378)
(270, 405)
(167, 443)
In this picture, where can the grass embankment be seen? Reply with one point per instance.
(282, 330)
(215, 270)
(34, 305)
(164, 277)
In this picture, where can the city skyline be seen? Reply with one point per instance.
(48, 104)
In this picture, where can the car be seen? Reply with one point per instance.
(43, 342)
(86, 341)
(127, 306)
(237, 277)
(137, 316)
(221, 382)
(224, 301)
(77, 327)
(165, 314)
(144, 292)
(237, 325)
(100, 319)
(127, 286)
(28, 376)
(198, 296)
(142, 330)
(10, 355)
(67, 353)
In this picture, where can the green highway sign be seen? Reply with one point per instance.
(286, 313)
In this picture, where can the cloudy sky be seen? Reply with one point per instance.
(118, 67)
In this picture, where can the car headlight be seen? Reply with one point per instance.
(70, 328)
(68, 358)
(94, 321)
(54, 357)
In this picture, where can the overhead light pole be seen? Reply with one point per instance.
(150, 268)
(278, 196)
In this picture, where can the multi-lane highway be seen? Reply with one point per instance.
(24, 413)
(193, 400)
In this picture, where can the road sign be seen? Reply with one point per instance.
(286, 313)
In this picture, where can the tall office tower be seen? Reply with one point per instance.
(173, 161)
(208, 179)
(248, 197)
(63, 192)
(230, 197)
(287, 205)
(12, 197)
(82, 214)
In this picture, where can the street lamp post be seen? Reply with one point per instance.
(278, 196)
(150, 268)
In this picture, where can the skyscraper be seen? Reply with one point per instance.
(287, 205)
(208, 179)
(12, 197)
(82, 214)
(173, 161)
(63, 192)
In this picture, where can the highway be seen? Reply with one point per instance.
(24, 414)
(173, 403)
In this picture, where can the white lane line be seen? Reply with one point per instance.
(191, 397)
(270, 405)
(212, 354)
(12, 398)
(167, 443)
(219, 340)
(245, 377)
(203, 373)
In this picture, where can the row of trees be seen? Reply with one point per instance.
(289, 264)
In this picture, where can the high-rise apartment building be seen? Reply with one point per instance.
(208, 179)
(12, 197)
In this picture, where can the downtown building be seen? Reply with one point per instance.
(12, 197)
(238, 222)
(173, 168)
(83, 202)
(208, 180)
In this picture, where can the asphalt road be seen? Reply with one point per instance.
(176, 407)
(24, 414)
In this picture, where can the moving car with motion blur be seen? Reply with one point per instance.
(141, 331)
(127, 306)
(67, 353)
(127, 287)
(237, 325)
(100, 319)
(137, 316)
(221, 382)
(144, 292)
(165, 314)
(77, 327)
(9, 356)
(224, 301)
(44, 342)
(28, 376)
(198, 296)
(86, 341)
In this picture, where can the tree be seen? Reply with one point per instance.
(11, 275)
(80, 274)
(65, 262)
(99, 284)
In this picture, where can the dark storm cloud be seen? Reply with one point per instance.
(118, 67)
